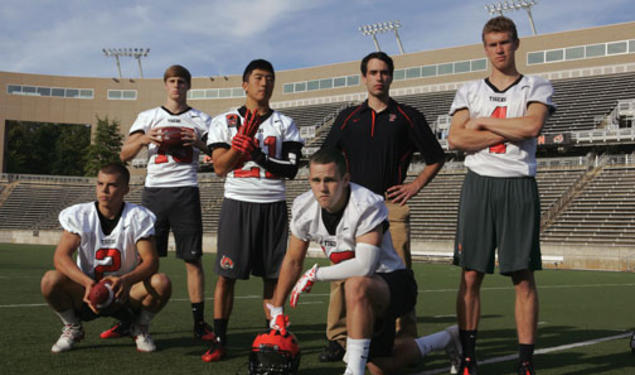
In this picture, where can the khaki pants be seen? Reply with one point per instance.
(399, 219)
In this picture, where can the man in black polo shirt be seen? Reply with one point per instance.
(378, 138)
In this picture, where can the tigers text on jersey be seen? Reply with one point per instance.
(364, 212)
(482, 99)
(175, 166)
(249, 182)
(114, 254)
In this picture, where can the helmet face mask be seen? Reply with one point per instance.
(273, 353)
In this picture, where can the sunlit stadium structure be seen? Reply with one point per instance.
(586, 168)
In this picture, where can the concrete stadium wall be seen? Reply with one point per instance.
(554, 256)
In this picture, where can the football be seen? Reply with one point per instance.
(171, 135)
(101, 295)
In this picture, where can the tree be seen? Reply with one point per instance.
(105, 147)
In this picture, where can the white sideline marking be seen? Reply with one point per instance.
(253, 296)
(539, 351)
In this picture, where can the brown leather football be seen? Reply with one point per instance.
(171, 135)
(101, 295)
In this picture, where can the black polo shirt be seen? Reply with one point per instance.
(379, 146)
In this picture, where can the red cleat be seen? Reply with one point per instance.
(215, 353)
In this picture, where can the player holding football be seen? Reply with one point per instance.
(254, 148)
(496, 121)
(350, 223)
(378, 138)
(114, 240)
(171, 186)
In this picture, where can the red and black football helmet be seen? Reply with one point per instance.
(274, 353)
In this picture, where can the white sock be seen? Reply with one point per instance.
(357, 353)
(68, 317)
(435, 341)
(145, 317)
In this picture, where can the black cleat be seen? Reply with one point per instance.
(633, 343)
(120, 329)
(204, 332)
(332, 352)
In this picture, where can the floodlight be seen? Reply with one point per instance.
(137, 53)
(511, 5)
(382, 27)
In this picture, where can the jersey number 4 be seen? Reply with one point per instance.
(115, 262)
(501, 148)
(254, 172)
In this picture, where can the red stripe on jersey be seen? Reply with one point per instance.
(372, 125)
(349, 117)
(412, 125)
(337, 257)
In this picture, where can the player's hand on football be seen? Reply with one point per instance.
(400, 194)
(120, 288)
(244, 144)
(278, 320)
(153, 136)
(87, 300)
(303, 285)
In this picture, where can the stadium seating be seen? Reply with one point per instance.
(602, 214)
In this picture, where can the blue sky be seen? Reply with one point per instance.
(214, 37)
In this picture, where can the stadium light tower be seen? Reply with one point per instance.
(511, 5)
(382, 27)
(137, 53)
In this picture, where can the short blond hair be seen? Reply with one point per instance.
(500, 24)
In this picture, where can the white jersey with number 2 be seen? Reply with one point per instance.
(99, 254)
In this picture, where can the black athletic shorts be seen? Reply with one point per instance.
(178, 208)
(403, 298)
(498, 213)
(252, 238)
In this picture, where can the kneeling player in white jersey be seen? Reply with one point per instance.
(254, 148)
(350, 223)
(114, 240)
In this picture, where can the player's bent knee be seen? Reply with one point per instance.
(50, 280)
(356, 288)
(161, 283)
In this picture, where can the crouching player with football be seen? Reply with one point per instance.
(350, 223)
(115, 241)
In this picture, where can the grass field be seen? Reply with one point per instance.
(576, 306)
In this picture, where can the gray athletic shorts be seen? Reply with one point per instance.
(252, 238)
(178, 208)
(498, 213)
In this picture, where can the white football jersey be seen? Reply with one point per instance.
(509, 159)
(101, 255)
(175, 166)
(364, 212)
(249, 182)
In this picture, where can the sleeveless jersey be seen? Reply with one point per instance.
(364, 212)
(509, 159)
(174, 166)
(249, 182)
(101, 255)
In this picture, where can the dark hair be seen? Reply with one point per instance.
(500, 24)
(117, 168)
(258, 64)
(377, 55)
(327, 155)
(178, 71)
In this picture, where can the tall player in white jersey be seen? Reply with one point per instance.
(254, 148)
(495, 121)
(113, 240)
(350, 222)
(171, 186)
